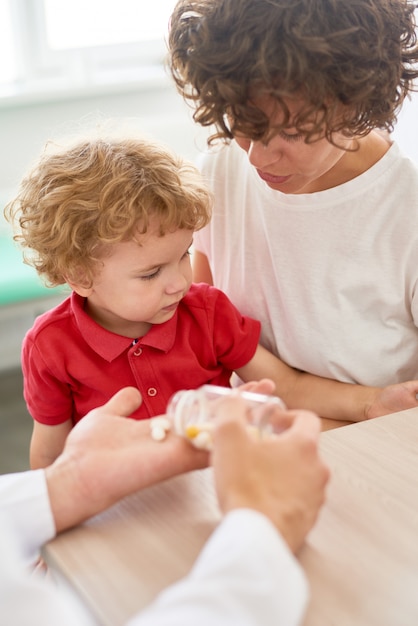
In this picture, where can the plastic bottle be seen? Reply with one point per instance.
(191, 412)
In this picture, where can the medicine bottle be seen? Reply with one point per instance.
(191, 412)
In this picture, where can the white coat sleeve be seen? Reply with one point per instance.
(26, 523)
(24, 503)
(245, 575)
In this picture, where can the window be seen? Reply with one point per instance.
(55, 45)
(8, 70)
(121, 22)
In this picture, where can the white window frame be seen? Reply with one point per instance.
(42, 72)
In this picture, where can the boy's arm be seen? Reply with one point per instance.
(47, 443)
(327, 397)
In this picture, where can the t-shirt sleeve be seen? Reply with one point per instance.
(48, 399)
(236, 336)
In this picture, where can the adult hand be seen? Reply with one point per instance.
(107, 457)
(264, 386)
(282, 477)
(392, 399)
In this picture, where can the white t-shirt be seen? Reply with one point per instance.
(332, 276)
(245, 575)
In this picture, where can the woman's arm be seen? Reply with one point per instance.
(201, 269)
(329, 398)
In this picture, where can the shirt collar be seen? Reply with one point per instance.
(109, 345)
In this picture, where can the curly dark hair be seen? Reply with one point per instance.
(352, 62)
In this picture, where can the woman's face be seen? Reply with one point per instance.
(287, 164)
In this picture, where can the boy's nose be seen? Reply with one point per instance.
(178, 283)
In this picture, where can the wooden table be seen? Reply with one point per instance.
(361, 558)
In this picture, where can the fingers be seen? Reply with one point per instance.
(124, 402)
(230, 423)
(307, 427)
(305, 422)
(412, 386)
(230, 433)
(231, 418)
(265, 386)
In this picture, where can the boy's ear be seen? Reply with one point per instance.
(79, 287)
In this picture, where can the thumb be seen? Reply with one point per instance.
(230, 423)
(304, 422)
(124, 402)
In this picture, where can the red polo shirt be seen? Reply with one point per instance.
(72, 365)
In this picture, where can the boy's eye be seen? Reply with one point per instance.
(155, 273)
(151, 276)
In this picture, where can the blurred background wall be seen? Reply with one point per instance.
(64, 65)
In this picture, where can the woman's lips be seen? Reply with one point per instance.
(270, 178)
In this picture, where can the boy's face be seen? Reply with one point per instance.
(287, 164)
(140, 284)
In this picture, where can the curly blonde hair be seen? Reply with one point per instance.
(79, 199)
(353, 62)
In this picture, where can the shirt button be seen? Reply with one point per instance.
(152, 392)
(138, 352)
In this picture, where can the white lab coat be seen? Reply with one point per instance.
(245, 575)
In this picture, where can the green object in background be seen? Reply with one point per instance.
(19, 282)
